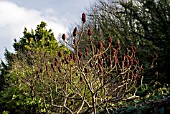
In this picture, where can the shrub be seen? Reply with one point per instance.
(73, 82)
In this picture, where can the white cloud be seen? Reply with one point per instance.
(14, 18)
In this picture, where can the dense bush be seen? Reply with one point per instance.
(101, 73)
(42, 78)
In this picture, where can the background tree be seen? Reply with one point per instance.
(31, 51)
(143, 24)
(155, 21)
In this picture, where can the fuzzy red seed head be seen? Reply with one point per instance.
(48, 74)
(100, 45)
(87, 53)
(89, 32)
(80, 54)
(131, 59)
(59, 69)
(71, 56)
(59, 54)
(109, 39)
(55, 63)
(74, 57)
(46, 67)
(75, 32)
(52, 66)
(66, 61)
(83, 17)
(68, 58)
(64, 36)
(85, 70)
(99, 61)
(81, 79)
(113, 51)
(41, 70)
(56, 60)
(133, 75)
(133, 49)
(86, 49)
(37, 72)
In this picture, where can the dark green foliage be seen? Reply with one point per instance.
(153, 17)
(144, 24)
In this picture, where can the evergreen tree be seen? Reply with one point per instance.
(32, 52)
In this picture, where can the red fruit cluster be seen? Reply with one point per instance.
(59, 54)
(99, 61)
(109, 39)
(71, 55)
(64, 36)
(83, 17)
(67, 59)
(86, 49)
(46, 67)
(80, 54)
(113, 51)
(89, 32)
(87, 54)
(133, 49)
(52, 66)
(133, 75)
(85, 70)
(75, 32)
(41, 70)
(100, 45)
(131, 59)
(56, 60)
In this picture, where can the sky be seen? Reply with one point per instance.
(17, 14)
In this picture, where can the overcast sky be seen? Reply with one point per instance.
(17, 14)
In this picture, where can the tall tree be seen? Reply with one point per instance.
(32, 51)
(144, 24)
